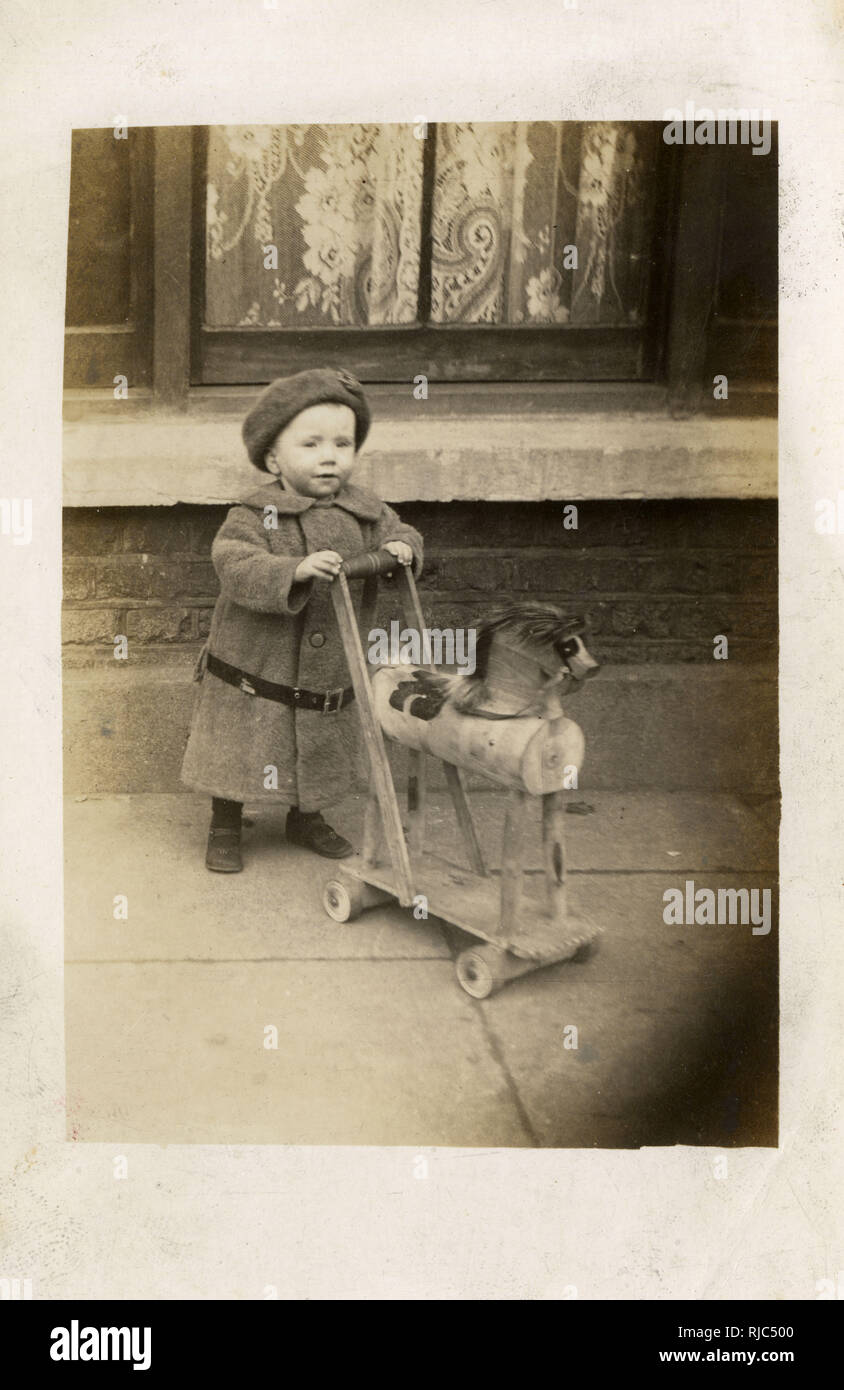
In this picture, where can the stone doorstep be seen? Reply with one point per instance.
(660, 727)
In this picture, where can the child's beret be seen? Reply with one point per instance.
(282, 400)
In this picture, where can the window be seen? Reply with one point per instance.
(509, 251)
(482, 251)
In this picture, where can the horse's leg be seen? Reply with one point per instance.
(553, 854)
(511, 862)
(464, 818)
(416, 798)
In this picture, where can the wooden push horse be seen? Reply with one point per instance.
(504, 721)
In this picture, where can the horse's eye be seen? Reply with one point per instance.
(568, 648)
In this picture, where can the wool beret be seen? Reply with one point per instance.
(283, 399)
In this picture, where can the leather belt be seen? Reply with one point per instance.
(326, 701)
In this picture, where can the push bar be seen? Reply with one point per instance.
(369, 562)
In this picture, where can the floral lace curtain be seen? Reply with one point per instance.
(320, 226)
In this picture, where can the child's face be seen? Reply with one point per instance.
(315, 453)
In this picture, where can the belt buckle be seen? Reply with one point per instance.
(246, 686)
(329, 696)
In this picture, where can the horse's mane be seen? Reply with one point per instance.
(529, 624)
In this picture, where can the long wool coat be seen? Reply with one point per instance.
(283, 631)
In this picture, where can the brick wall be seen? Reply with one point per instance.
(658, 580)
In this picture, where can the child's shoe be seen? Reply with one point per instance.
(223, 852)
(309, 830)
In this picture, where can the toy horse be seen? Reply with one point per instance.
(504, 721)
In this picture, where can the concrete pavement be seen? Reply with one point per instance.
(167, 1011)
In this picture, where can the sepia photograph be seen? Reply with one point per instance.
(420, 633)
(421, 555)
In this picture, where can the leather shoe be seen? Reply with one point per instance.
(312, 832)
(223, 852)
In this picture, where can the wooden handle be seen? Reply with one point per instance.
(369, 562)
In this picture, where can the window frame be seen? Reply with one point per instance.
(688, 343)
(123, 349)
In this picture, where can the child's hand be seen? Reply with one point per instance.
(401, 550)
(323, 564)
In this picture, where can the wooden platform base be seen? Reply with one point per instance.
(473, 902)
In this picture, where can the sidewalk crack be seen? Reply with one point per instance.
(497, 1052)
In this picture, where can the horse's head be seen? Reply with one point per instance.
(526, 656)
(576, 659)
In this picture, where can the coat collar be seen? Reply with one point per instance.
(357, 500)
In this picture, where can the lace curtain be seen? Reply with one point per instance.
(320, 226)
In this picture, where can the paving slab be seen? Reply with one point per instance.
(643, 1074)
(386, 1052)
(676, 1031)
(635, 943)
(120, 844)
(151, 848)
(636, 831)
(377, 1043)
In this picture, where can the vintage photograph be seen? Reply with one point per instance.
(420, 707)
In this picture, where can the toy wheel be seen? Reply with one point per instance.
(475, 972)
(342, 901)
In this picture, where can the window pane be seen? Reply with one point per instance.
(342, 207)
(542, 222)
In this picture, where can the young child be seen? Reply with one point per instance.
(274, 718)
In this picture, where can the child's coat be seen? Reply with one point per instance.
(285, 632)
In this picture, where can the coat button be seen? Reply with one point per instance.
(317, 639)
